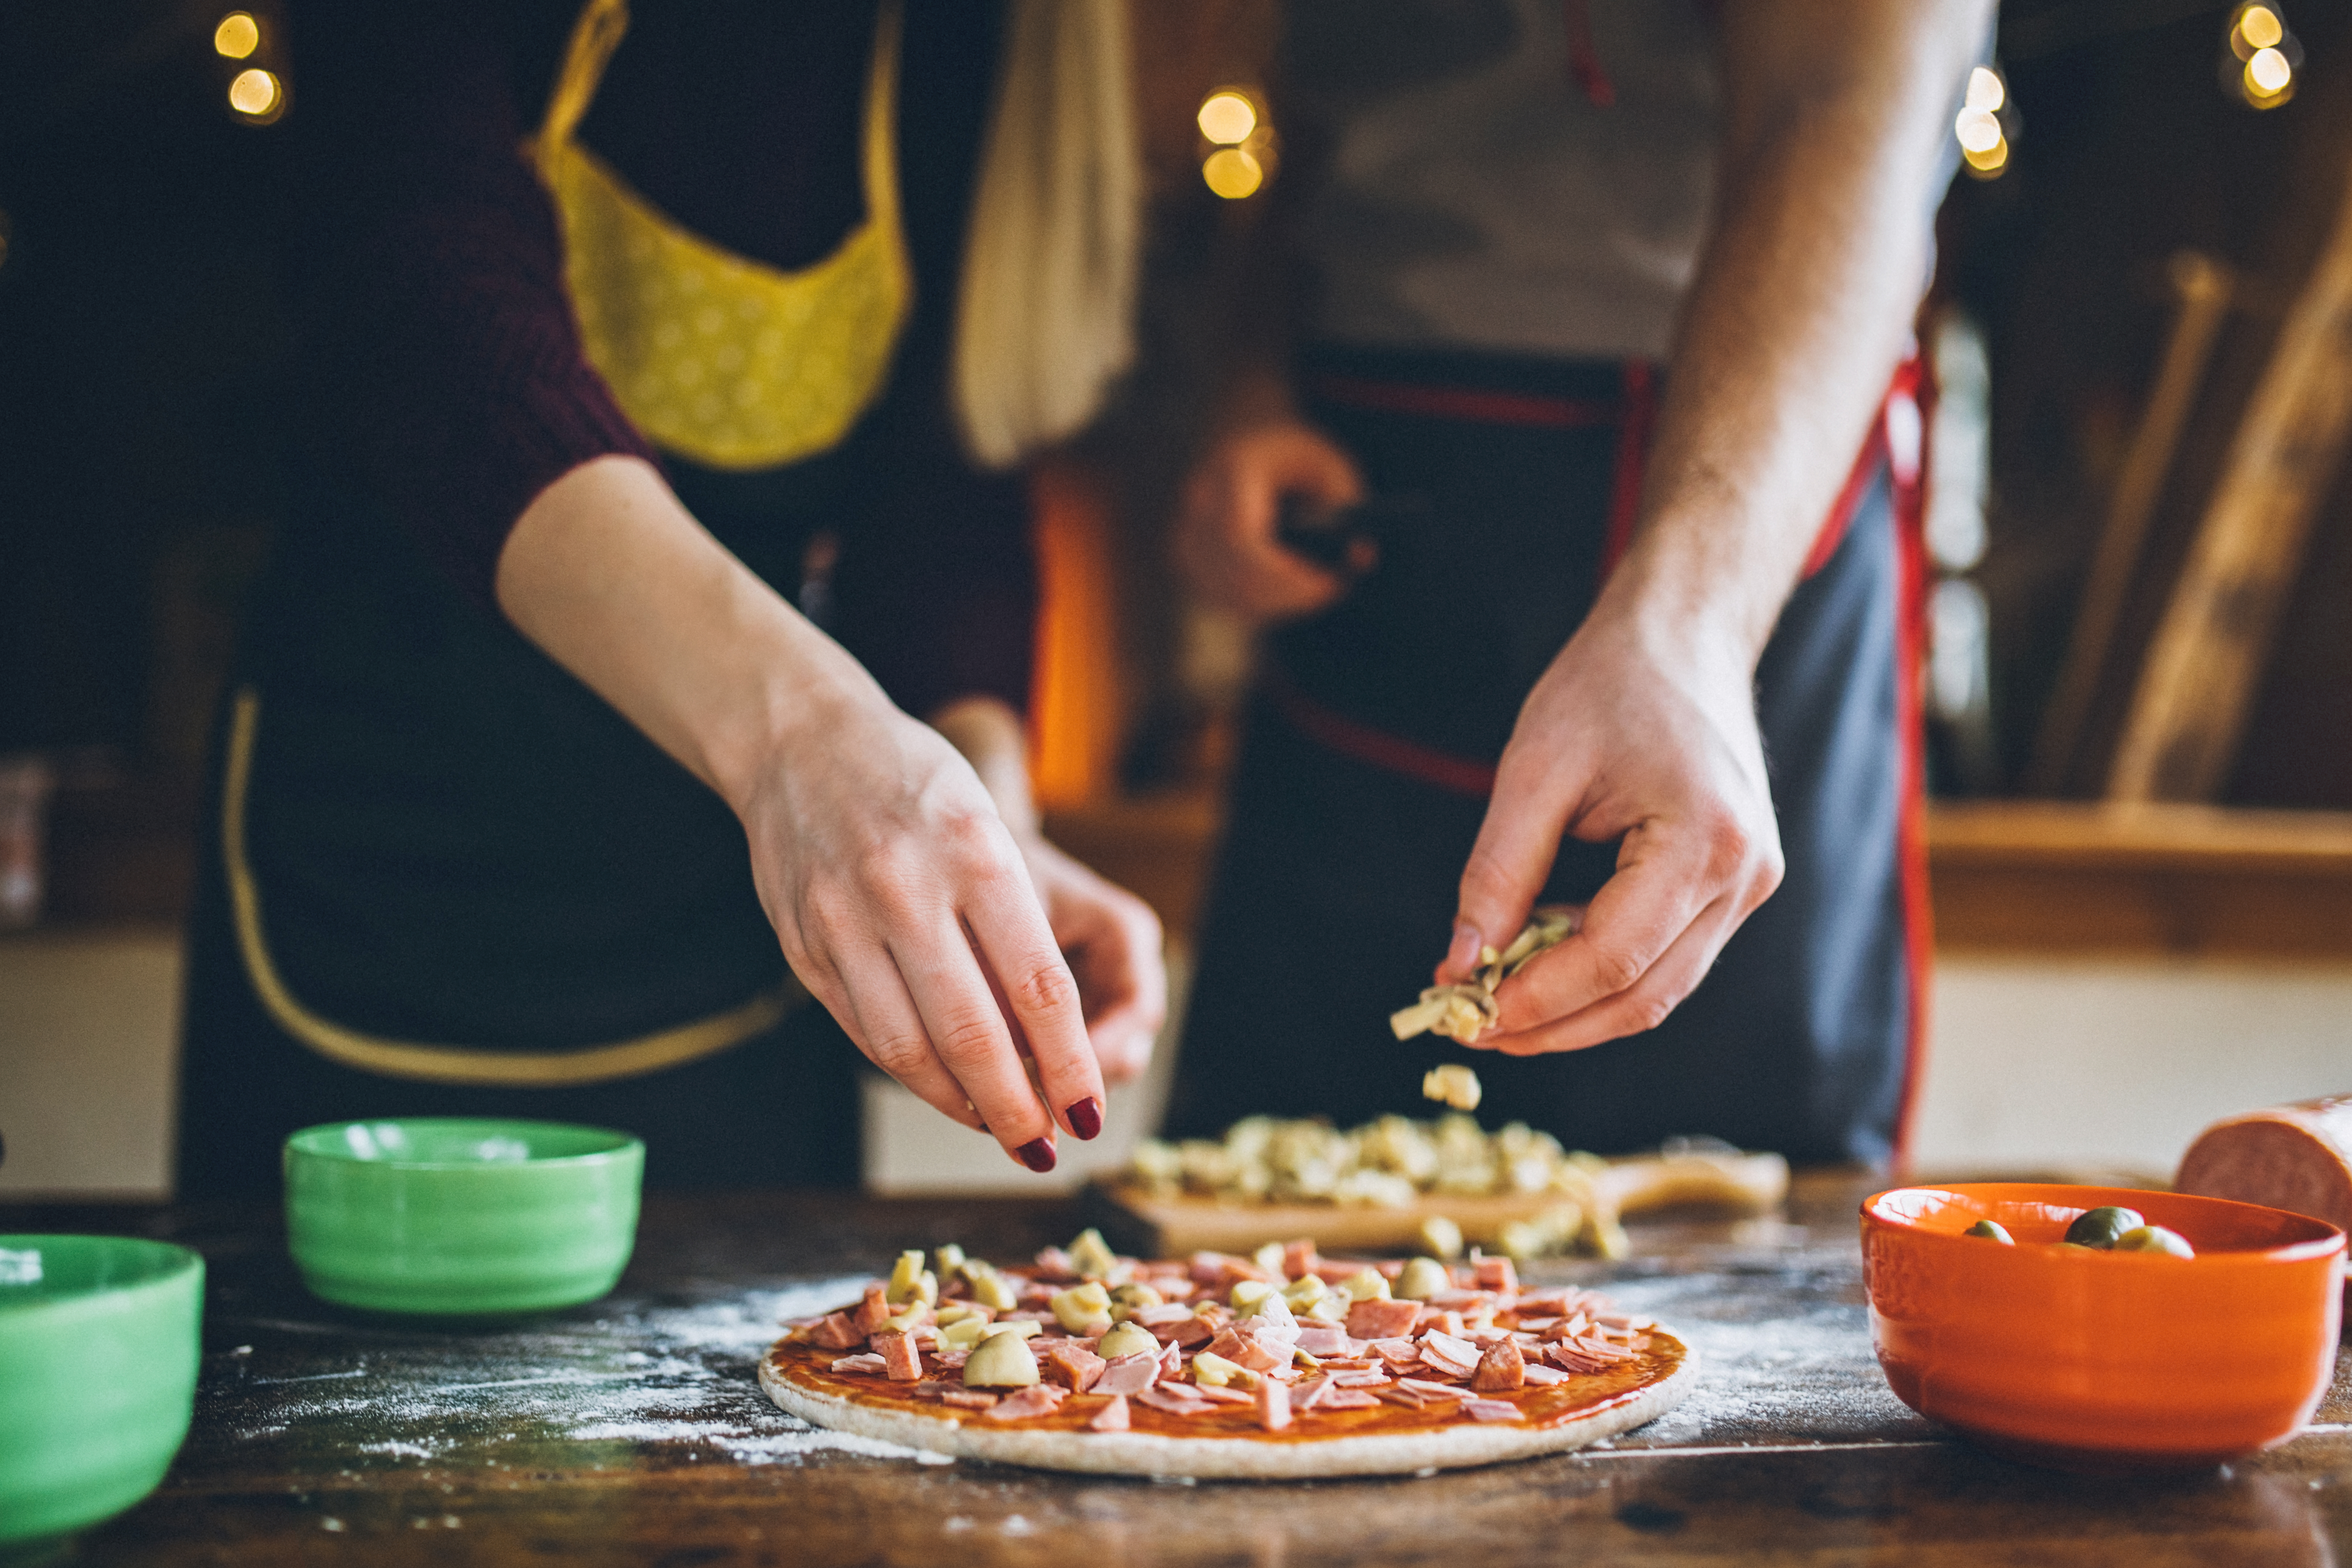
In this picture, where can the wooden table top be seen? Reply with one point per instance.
(631, 1431)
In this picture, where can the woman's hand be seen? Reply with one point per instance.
(1109, 936)
(1112, 941)
(897, 892)
(1225, 542)
(1647, 737)
(904, 904)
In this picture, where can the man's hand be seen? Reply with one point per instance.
(1622, 736)
(1837, 113)
(1225, 531)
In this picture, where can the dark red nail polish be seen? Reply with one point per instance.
(1037, 1154)
(1086, 1117)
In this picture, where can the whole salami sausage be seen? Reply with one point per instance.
(2296, 1157)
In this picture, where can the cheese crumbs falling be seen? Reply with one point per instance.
(1452, 1084)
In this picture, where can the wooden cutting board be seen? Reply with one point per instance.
(1152, 1224)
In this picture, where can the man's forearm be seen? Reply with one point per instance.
(1836, 112)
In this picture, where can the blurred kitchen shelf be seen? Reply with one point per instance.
(2064, 878)
(124, 851)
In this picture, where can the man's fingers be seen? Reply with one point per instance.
(881, 1020)
(1643, 1005)
(1508, 868)
(1665, 876)
(1041, 996)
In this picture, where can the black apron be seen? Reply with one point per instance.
(1370, 746)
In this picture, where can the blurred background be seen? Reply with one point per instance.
(2140, 682)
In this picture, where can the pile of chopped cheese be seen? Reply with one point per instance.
(1394, 1163)
(1285, 1333)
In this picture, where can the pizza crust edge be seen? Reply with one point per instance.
(1451, 1447)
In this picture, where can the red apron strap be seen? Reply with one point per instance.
(1374, 748)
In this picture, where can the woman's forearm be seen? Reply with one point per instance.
(1835, 115)
(612, 577)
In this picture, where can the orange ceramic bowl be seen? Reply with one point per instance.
(2102, 1361)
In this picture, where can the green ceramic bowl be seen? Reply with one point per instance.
(98, 1376)
(461, 1217)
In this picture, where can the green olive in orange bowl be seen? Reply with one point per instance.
(442, 1217)
(99, 1343)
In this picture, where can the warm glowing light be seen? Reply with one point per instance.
(1985, 90)
(1232, 174)
(254, 94)
(2268, 73)
(237, 35)
(1978, 131)
(1227, 118)
(2260, 27)
(1991, 160)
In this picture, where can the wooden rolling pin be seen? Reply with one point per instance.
(2296, 1157)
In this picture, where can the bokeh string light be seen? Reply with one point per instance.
(256, 95)
(1239, 143)
(237, 35)
(1982, 136)
(2264, 58)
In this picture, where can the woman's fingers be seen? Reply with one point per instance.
(962, 1021)
(883, 1023)
(1012, 939)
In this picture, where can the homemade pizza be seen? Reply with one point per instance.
(1280, 1365)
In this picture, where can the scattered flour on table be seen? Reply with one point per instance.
(647, 1373)
(1802, 1376)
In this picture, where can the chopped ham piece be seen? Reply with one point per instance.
(1037, 1399)
(1171, 1360)
(902, 1363)
(1054, 1264)
(838, 1333)
(1382, 1320)
(1534, 1325)
(1322, 1341)
(867, 1364)
(932, 1389)
(869, 1312)
(1429, 1390)
(1250, 1349)
(1193, 1330)
(1449, 1354)
(1396, 1349)
(1460, 1301)
(1298, 1258)
(1127, 1375)
(1112, 1416)
(1393, 1395)
(1026, 1315)
(1071, 1364)
(950, 1361)
(1448, 1322)
(1216, 1395)
(1171, 1313)
(1501, 1369)
(1161, 1397)
(1304, 1397)
(1233, 1270)
(1537, 1376)
(1366, 1378)
(968, 1399)
(1493, 1409)
(1206, 1267)
(1346, 1399)
(1495, 1274)
(1274, 1402)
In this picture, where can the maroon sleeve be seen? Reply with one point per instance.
(450, 379)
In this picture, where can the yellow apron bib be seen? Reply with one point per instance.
(722, 360)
